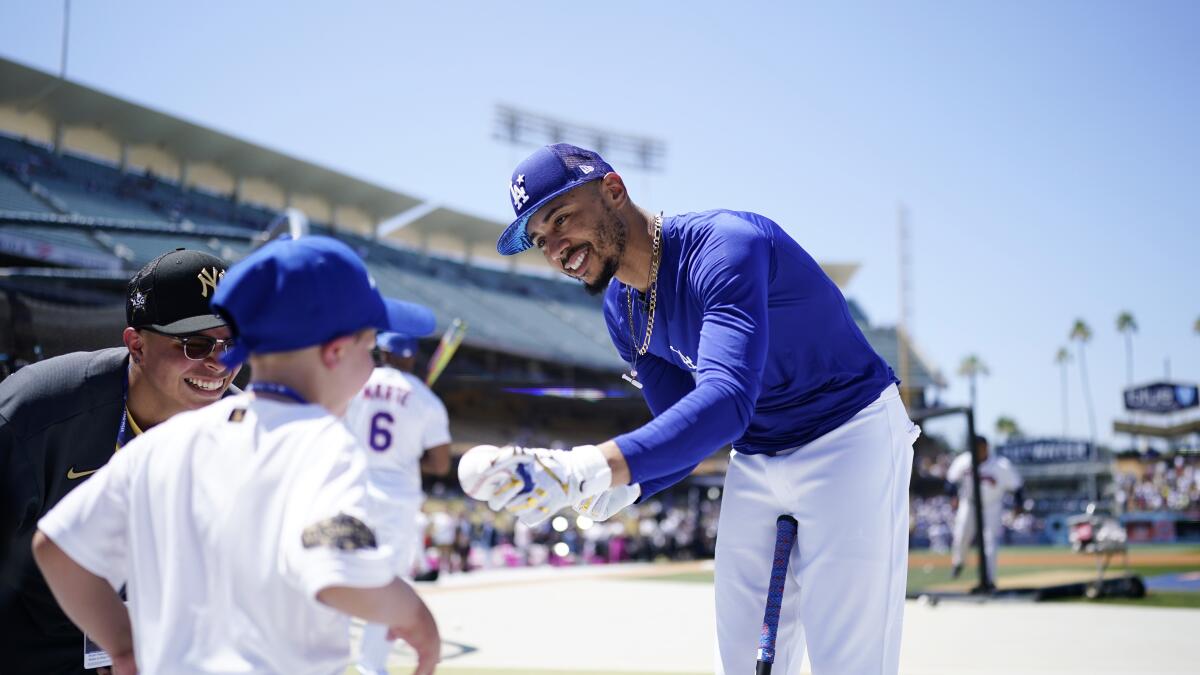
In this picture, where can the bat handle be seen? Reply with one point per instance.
(785, 538)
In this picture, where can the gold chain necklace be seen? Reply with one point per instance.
(655, 257)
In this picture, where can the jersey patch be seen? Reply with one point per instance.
(237, 414)
(687, 360)
(342, 532)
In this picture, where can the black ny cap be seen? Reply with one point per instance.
(171, 293)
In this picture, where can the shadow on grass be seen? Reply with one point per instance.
(1176, 599)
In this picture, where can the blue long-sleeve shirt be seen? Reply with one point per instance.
(752, 345)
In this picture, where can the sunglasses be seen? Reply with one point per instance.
(199, 347)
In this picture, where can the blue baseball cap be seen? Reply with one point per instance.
(396, 343)
(296, 293)
(544, 175)
(420, 321)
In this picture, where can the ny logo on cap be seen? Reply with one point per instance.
(519, 196)
(209, 277)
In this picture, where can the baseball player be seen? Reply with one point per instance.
(244, 530)
(63, 418)
(734, 335)
(405, 430)
(996, 478)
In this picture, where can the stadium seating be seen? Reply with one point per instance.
(87, 201)
(14, 197)
(91, 189)
(61, 236)
(90, 206)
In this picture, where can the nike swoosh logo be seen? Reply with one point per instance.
(72, 474)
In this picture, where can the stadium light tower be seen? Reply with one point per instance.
(62, 66)
(521, 127)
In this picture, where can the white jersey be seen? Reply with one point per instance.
(226, 522)
(397, 418)
(996, 476)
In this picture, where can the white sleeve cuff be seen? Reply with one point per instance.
(77, 548)
(358, 569)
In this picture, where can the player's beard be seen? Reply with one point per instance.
(610, 235)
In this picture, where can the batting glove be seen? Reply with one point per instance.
(610, 502)
(534, 483)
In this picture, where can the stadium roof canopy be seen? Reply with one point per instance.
(433, 220)
(69, 104)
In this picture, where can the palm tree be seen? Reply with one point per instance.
(1082, 334)
(971, 368)
(1127, 326)
(1063, 357)
(1008, 427)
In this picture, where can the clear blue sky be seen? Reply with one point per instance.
(1049, 153)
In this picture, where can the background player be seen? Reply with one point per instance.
(996, 478)
(405, 429)
(245, 529)
(62, 419)
(737, 336)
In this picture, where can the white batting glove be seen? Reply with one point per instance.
(533, 483)
(610, 502)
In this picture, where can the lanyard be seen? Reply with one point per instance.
(124, 427)
(278, 390)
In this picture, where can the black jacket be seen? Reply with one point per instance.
(58, 422)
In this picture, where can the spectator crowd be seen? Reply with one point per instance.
(461, 535)
(1165, 484)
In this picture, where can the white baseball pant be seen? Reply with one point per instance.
(848, 491)
(964, 533)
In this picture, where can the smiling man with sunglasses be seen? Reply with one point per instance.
(63, 418)
(174, 340)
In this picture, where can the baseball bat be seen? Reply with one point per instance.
(446, 348)
(292, 221)
(785, 537)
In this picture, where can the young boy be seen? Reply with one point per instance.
(243, 531)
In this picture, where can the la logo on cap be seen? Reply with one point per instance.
(519, 196)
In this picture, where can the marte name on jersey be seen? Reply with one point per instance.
(384, 392)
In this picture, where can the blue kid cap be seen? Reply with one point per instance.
(296, 293)
(396, 343)
(544, 175)
(420, 321)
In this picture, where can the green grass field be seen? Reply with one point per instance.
(1022, 566)
(1177, 599)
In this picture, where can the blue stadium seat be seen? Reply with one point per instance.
(96, 202)
(14, 197)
